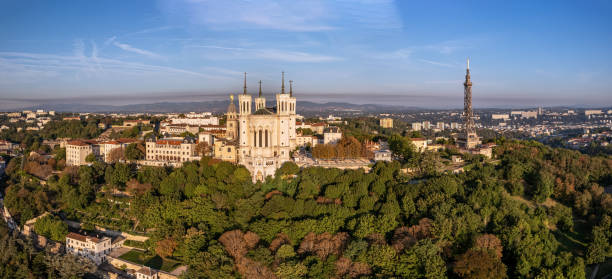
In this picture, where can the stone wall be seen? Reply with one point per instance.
(141, 238)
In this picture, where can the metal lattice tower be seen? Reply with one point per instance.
(468, 115)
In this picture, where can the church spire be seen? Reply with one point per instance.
(260, 88)
(291, 88)
(245, 87)
(283, 83)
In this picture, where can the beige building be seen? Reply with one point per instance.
(301, 140)
(146, 273)
(419, 143)
(386, 122)
(171, 150)
(383, 155)
(196, 119)
(225, 150)
(332, 135)
(90, 247)
(77, 151)
(177, 129)
(108, 146)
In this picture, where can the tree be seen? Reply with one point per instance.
(116, 155)
(90, 158)
(544, 185)
(402, 147)
(288, 168)
(480, 264)
(599, 248)
(134, 151)
(165, 247)
(203, 148)
(51, 227)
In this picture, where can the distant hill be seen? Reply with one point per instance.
(218, 107)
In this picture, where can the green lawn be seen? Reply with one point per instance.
(155, 262)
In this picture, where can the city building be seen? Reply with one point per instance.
(302, 140)
(225, 149)
(419, 143)
(78, 150)
(170, 151)
(196, 119)
(383, 155)
(440, 126)
(501, 116)
(108, 146)
(7, 147)
(134, 123)
(90, 247)
(146, 273)
(332, 135)
(416, 126)
(590, 112)
(386, 122)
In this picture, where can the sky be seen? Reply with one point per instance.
(411, 53)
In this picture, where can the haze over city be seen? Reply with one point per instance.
(409, 53)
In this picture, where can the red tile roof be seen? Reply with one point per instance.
(146, 271)
(82, 238)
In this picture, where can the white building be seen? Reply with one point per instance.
(502, 116)
(266, 136)
(77, 151)
(171, 150)
(108, 146)
(590, 112)
(419, 143)
(332, 135)
(90, 247)
(416, 126)
(382, 155)
(196, 119)
(146, 273)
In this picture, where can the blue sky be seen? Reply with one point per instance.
(523, 53)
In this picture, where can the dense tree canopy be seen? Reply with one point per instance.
(501, 219)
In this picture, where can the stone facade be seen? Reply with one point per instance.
(171, 150)
(90, 247)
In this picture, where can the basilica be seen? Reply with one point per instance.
(262, 137)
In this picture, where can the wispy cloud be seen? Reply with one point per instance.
(130, 48)
(403, 53)
(23, 67)
(295, 15)
(442, 64)
(271, 54)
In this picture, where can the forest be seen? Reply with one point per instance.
(533, 212)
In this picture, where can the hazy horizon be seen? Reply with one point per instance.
(418, 101)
